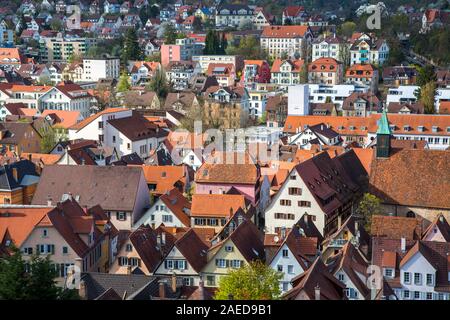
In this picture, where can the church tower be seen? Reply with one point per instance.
(383, 137)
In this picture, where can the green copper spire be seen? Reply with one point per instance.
(383, 124)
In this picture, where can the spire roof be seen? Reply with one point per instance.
(383, 125)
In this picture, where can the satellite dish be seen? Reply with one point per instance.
(276, 239)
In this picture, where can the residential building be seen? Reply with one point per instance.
(293, 15)
(329, 47)
(69, 234)
(133, 134)
(245, 244)
(179, 74)
(327, 71)
(203, 61)
(362, 75)
(97, 185)
(215, 210)
(416, 270)
(185, 259)
(316, 283)
(361, 105)
(302, 193)
(19, 137)
(367, 49)
(182, 50)
(255, 71)
(102, 68)
(142, 71)
(287, 72)
(59, 49)
(94, 127)
(66, 97)
(19, 180)
(399, 75)
(292, 41)
(349, 266)
(233, 15)
(225, 73)
(293, 256)
(171, 209)
(228, 170)
(229, 106)
(319, 134)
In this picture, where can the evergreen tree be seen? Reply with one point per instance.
(427, 95)
(223, 44)
(131, 49)
(212, 45)
(123, 84)
(13, 278)
(41, 280)
(170, 34)
(159, 84)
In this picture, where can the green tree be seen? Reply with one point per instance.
(212, 43)
(155, 57)
(254, 281)
(48, 139)
(197, 24)
(56, 24)
(367, 207)
(36, 284)
(304, 73)
(13, 278)
(123, 84)
(425, 75)
(170, 34)
(248, 47)
(427, 95)
(347, 28)
(131, 49)
(159, 83)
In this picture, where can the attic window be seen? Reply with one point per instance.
(163, 174)
(448, 129)
(420, 128)
(392, 127)
(406, 127)
(435, 129)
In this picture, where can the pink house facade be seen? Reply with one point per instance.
(250, 191)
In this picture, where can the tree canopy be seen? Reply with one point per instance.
(254, 281)
(37, 284)
(367, 207)
(131, 49)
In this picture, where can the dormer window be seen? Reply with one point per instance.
(435, 129)
(389, 272)
(420, 128)
(392, 127)
(406, 127)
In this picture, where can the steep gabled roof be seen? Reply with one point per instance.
(316, 276)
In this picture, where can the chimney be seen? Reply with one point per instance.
(201, 289)
(339, 221)
(240, 219)
(162, 289)
(305, 218)
(158, 241)
(356, 226)
(82, 290)
(317, 292)
(29, 156)
(14, 173)
(85, 209)
(49, 201)
(128, 270)
(174, 282)
(83, 162)
(283, 233)
(441, 218)
(163, 238)
(403, 244)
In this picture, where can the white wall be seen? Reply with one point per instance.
(275, 207)
(285, 262)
